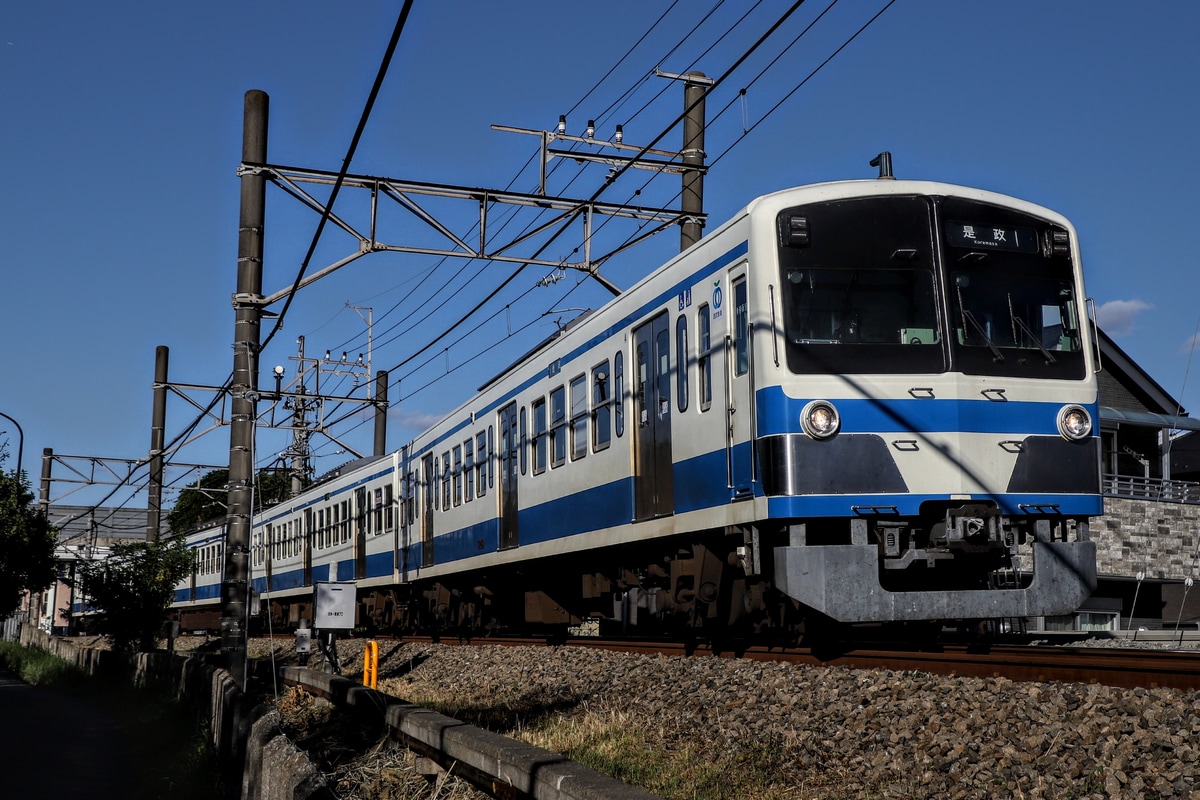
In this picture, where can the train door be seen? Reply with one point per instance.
(652, 481)
(739, 389)
(360, 532)
(509, 445)
(427, 518)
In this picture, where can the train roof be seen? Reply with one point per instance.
(349, 466)
(836, 190)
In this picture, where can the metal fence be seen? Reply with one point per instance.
(1152, 489)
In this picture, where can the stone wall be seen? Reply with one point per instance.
(1158, 538)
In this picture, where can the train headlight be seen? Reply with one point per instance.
(819, 419)
(1074, 423)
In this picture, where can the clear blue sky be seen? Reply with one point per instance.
(121, 132)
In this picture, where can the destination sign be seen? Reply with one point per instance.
(981, 236)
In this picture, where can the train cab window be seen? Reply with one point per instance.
(1014, 306)
(859, 293)
(558, 426)
(704, 355)
(681, 361)
(483, 460)
(618, 393)
(541, 442)
(579, 417)
(601, 407)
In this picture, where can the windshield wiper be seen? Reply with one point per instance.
(1020, 323)
(969, 317)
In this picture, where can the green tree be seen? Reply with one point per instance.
(133, 588)
(204, 500)
(26, 543)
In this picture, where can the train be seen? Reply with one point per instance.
(855, 402)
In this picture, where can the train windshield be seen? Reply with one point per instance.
(915, 284)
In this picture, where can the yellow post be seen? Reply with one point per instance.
(371, 664)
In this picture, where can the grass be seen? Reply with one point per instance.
(177, 757)
(666, 762)
(39, 668)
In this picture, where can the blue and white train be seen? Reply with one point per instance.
(870, 401)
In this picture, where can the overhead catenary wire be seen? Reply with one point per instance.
(341, 178)
(446, 330)
(580, 171)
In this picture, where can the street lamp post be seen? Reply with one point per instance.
(20, 441)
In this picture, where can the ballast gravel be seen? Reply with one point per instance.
(849, 733)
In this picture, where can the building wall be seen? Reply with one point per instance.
(1157, 538)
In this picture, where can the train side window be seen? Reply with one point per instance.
(446, 481)
(379, 509)
(414, 508)
(741, 329)
(540, 443)
(681, 361)
(469, 469)
(345, 521)
(523, 441)
(579, 417)
(618, 393)
(389, 508)
(601, 407)
(704, 356)
(483, 461)
(558, 426)
(458, 475)
(662, 374)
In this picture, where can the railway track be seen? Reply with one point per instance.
(1117, 666)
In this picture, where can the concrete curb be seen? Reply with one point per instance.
(495, 763)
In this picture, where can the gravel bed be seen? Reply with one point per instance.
(840, 733)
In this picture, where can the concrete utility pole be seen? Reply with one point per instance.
(381, 406)
(691, 203)
(247, 303)
(158, 424)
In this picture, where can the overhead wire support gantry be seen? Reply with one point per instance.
(405, 194)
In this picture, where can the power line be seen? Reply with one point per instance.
(337, 186)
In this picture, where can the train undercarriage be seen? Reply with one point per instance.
(777, 583)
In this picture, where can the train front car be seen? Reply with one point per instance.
(926, 402)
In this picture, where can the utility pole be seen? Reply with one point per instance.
(300, 433)
(692, 201)
(247, 303)
(381, 406)
(157, 437)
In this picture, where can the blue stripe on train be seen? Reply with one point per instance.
(778, 413)
(867, 505)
